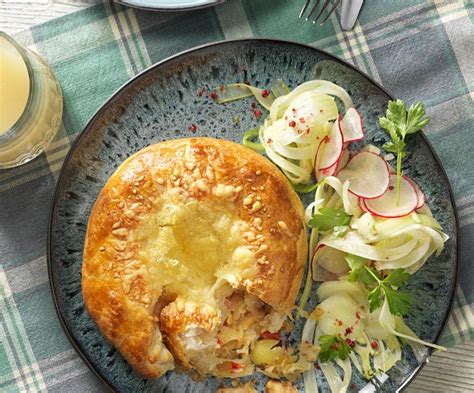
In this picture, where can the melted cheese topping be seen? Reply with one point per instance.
(188, 247)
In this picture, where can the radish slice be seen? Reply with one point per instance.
(386, 206)
(319, 172)
(368, 173)
(362, 206)
(323, 173)
(343, 160)
(419, 193)
(351, 126)
(331, 147)
(328, 261)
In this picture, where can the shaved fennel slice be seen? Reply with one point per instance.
(332, 377)
(237, 91)
(307, 109)
(309, 376)
(388, 321)
(279, 88)
(386, 357)
(345, 365)
(408, 260)
(418, 349)
(350, 201)
(320, 86)
(353, 243)
(353, 289)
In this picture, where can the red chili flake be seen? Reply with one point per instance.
(338, 322)
(235, 365)
(391, 188)
(348, 331)
(317, 366)
(213, 96)
(265, 93)
(374, 344)
(326, 139)
(257, 113)
(350, 342)
(292, 123)
(353, 386)
(358, 314)
(302, 120)
(202, 91)
(270, 336)
(269, 140)
(253, 105)
(193, 128)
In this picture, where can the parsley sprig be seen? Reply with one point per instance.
(399, 123)
(398, 301)
(332, 347)
(328, 218)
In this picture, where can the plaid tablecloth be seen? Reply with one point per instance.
(418, 49)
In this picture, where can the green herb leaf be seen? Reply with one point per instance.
(416, 118)
(332, 347)
(398, 122)
(375, 300)
(359, 270)
(355, 262)
(327, 218)
(398, 301)
(339, 231)
(397, 278)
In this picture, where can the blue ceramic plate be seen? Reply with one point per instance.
(169, 5)
(162, 103)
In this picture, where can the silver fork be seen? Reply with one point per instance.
(323, 7)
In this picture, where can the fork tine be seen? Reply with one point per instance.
(325, 5)
(304, 8)
(313, 9)
(330, 12)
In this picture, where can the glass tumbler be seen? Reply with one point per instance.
(31, 104)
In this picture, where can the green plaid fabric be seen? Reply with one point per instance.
(418, 49)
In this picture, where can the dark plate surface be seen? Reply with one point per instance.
(162, 103)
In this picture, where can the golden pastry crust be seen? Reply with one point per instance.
(120, 273)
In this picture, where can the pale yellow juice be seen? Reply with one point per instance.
(31, 104)
(14, 85)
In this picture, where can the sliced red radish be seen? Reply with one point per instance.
(330, 148)
(386, 206)
(322, 173)
(328, 262)
(420, 195)
(351, 126)
(362, 205)
(368, 173)
(343, 160)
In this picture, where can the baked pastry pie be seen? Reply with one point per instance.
(195, 250)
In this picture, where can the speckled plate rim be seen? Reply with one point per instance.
(137, 4)
(118, 93)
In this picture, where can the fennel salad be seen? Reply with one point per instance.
(371, 228)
